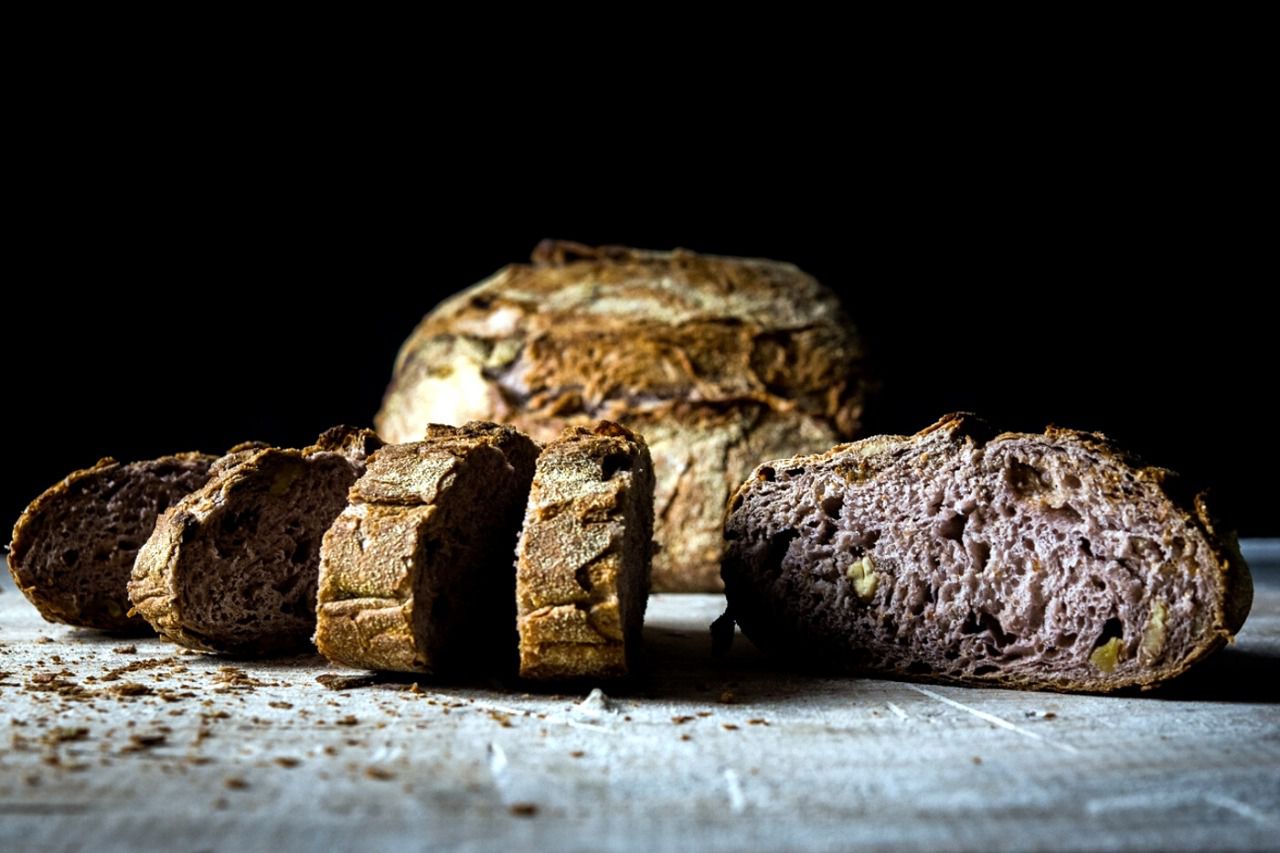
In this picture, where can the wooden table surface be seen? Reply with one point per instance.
(118, 744)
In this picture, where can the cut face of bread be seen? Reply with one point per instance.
(417, 574)
(74, 546)
(1043, 561)
(232, 567)
(582, 577)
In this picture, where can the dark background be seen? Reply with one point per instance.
(211, 281)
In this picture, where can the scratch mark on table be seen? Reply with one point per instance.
(737, 800)
(1243, 809)
(994, 720)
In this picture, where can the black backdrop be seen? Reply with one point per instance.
(161, 303)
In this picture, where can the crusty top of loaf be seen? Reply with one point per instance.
(412, 473)
(580, 326)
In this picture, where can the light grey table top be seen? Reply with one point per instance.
(187, 752)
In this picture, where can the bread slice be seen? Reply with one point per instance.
(582, 577)
(1049, 561)
(73, 547)
(416, 574)
(232, 566)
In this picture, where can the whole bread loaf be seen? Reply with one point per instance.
(719, 362)
(417, 574)
(582, 571)
(73, 547)
(232, 566)
(1052, 561)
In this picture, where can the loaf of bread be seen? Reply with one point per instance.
(1051, 561)
(719, 362)
(73, 547)
(418, 573)
(232, 566)
(582, 578)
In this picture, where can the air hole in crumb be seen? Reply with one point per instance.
(301, 551)
(981, 553)
(1086, 547)
(70, 556)
(1097, 582)
(779, 543)
(826, 533)
(919, 668)
(996, 630)
(1024, 479)
(1071, 481)
(286, 585)
(767, 474)
(953, 527)
(985, 669)
(583, 576)
(832, 505)
(794, 472)
(615, 462)
(1112, 629)
(1065, 513)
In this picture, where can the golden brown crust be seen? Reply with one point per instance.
(713, 359)
(376, 592)
(1234, 585)
(583, 561)
(54, 606)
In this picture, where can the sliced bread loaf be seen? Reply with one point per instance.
(232, 566)
(73, 547)
(582, 578)
(1051, 561)
(416, 574)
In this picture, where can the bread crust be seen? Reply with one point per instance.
(374, 601)
(717, 361)
(54, 605)
(583, 563)
(1233, 583)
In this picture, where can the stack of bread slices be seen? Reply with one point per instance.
(458, 552)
